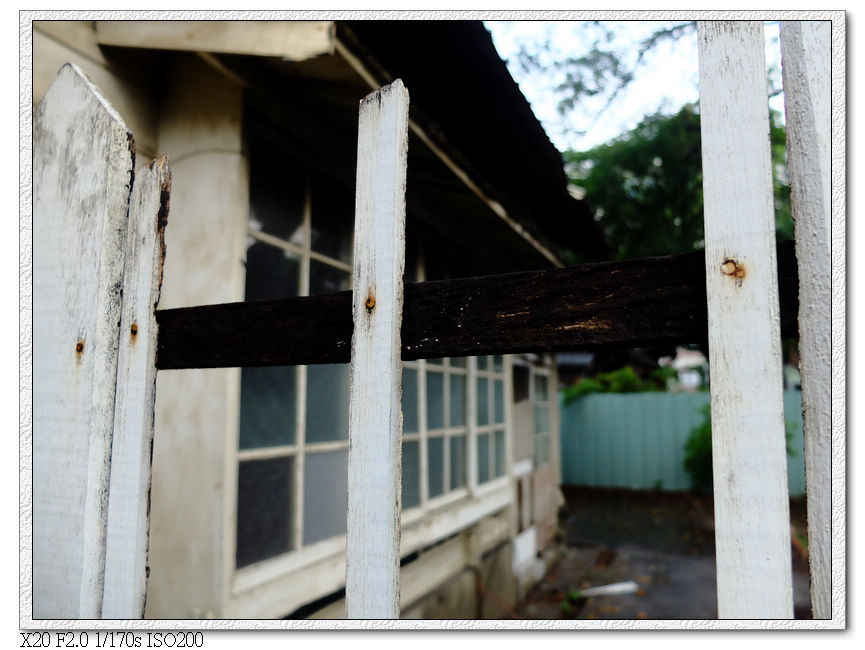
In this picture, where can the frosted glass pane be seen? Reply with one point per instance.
(410, 474)
(267, 406)
(499, 438)
(542, 419)
(483, 458)
(409, 400)
(540, 388)
(483, 401)
(325, 495)
(483, 363)
(264, 509)
(435, 400)
(458, 461)
(458, 362)
(498, 401)
(327, 279)
(436, 362)
(436, 466)
(271, 272)
(327, 402)
(498, 363)
(458, 400)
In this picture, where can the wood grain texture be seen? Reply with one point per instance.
(82, 176)
(636, 303)
(131, 450)
(748, 445)
(375, 411)
(806, 59)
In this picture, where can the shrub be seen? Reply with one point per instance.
(698, 451)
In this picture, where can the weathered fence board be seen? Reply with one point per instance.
(129, 493)
(749, 460)
(643, 302)
(82, 175)
(375, 411)
(806, 59)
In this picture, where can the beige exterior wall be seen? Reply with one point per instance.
(200, 129)
(56, 43)
(193, 114)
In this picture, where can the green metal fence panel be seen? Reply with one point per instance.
(636, 440)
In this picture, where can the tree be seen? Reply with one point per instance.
(645, 187)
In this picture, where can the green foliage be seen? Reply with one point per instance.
(698, 451)
(646, 187)
(623, 380)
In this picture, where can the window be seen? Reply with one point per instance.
(540, 395)
(293, 438)
(490, 418)
(293, 432)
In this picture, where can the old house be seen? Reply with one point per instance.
(259, 120)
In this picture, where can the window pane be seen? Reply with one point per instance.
(483, 401)
(458, 461)
(435, 400)
(267, 406)
(436, 467)
(410, 474)
(271, 272)
(276, 193)
(498, 363)
(327, 279)
(458, 400)
(409, 400)
(458, 362)
(332, 211)
(482, 363)
(436, 362)
(264, 509)
(499, 453)
(483, 458)
(540, 388)
(542, 419)
(498, 401)
(327, 402)
(325, 495)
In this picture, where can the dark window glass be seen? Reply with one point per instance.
(325, 495)
(271, 272)
(264, 509)
(410, 474)
(267, 406)
(436, 460)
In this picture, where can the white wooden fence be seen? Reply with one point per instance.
(96, 285)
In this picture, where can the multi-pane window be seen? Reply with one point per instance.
(293, 438)
(540, 395)
(490, 418)
(293, 434)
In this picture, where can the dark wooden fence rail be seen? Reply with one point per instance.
(636, 303)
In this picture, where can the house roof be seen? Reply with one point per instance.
(462, 91)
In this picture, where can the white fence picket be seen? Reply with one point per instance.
(748, 445)
(375, 413)
(806, 62)
(128, 499)
(82, 171)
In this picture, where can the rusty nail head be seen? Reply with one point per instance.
(134, 329)
(370, 302)
(728, 267)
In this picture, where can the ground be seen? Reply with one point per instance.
(663, 541)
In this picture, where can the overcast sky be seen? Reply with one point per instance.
(667, 79)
